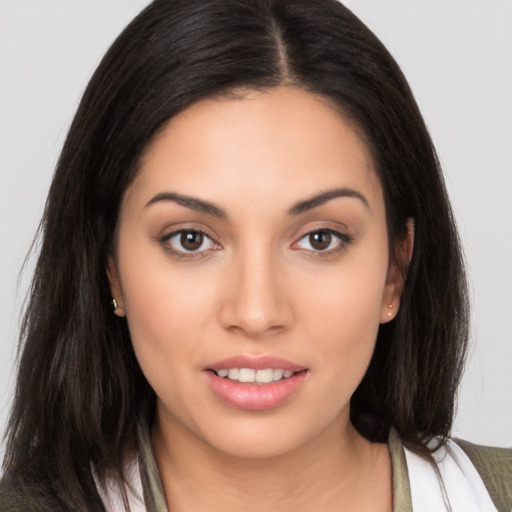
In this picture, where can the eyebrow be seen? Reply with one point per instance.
(200, 205)
(324, 197)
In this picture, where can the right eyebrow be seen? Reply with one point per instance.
(194, 203)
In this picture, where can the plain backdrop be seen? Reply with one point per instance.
(457, 55)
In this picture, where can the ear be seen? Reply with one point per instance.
(397, 272)
(115, 288)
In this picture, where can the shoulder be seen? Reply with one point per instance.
(456, 476)
(24, 496)
(495, 468)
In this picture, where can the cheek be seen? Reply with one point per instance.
(343, 316)
(166, 312)
(166, 322)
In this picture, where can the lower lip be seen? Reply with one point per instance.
(254, 397)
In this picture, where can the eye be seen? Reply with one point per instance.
(323, 240)
(189, 241)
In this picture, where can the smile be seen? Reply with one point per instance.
(255, 383)
(252, 376)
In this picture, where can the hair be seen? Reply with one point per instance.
(79, 387)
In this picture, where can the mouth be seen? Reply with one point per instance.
(255, 383)
(252, 376)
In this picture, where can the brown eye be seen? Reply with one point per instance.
(320, 240)
(327, 241)
(191, 240)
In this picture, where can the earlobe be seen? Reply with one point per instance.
(392, 293)
(115, 288)
(397, 274)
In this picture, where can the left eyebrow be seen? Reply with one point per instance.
(324, 197)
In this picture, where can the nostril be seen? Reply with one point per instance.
(255, 304)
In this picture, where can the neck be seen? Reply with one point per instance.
(331, 472)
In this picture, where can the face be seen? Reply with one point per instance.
(253, 268)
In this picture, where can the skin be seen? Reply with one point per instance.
(258, 286)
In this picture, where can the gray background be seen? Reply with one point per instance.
(457, 56)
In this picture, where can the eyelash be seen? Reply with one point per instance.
(166, 241)
(343, 241)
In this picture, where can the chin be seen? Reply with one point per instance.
(258, 445)
(266, 436)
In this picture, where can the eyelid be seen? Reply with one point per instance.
(344, 240)
(184, 254)
(171, 229)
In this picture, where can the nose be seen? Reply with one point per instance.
(257, 302)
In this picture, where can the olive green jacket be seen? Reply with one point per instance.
(493, 464)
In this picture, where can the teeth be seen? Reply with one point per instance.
(233, 373)
(278, 374)
(249, 375)
(265, 376)
(246, 375)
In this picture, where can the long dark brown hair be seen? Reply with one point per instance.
(79, 386)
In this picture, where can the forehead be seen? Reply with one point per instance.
(282, 142)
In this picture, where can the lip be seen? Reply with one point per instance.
(256, 363)
(255, 397)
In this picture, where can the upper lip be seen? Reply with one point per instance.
(256, 363)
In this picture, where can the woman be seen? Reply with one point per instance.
(250, 282)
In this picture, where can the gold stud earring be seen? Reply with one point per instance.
(118, 310)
